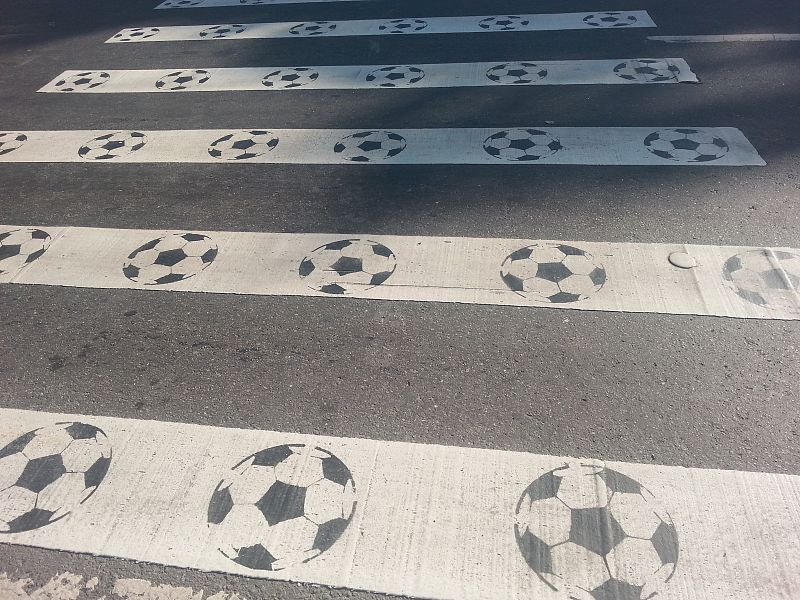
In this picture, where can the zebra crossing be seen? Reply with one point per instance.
(528, 72)
(414, 519)
(404, 26)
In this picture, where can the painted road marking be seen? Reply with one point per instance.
(418, 520)
(728, 281)
(512, 73)
(411, 25)
(742, 37)
(521, 146)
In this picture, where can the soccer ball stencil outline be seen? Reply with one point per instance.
(48, 472)
(282, 506)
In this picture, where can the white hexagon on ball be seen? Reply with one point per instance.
(634, 561)
(575, 564)
(11, 468)
(298, 470)
(53, 441)
(252, 484)
(550, 521)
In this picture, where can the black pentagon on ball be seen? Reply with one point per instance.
(335, 470)
(617, 482)
(270, 457)
(255, 557)
(369, 146)
(542, 488)
(514, 283)
(33, 519)
(130, 271)
(95, 474)
(81, 431)
(535, 552)
(306, 268)
(9, 250)
(347, 264)
(595, 529)
(615, 589)
(170, 258)
(17, 445)
(379, 278)
(332, 288)
(282, 502)
(170, 278)
(220, 505)
(41, 472)
(209, 255)
(328, 533)
(554, 272)
(665, 541)
(521, 254)
(564, 297)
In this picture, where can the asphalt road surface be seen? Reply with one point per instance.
(695, 391)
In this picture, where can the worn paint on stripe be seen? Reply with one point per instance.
(741, 37)
(510, 73)
(404, 26)
(520, 146)
(425, 521)
(728, 281)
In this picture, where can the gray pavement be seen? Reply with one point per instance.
(692, 391)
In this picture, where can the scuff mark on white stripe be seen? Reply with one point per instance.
(435, 521)
(727, 281)
(520, 146)
(400, 26)
(509, 73)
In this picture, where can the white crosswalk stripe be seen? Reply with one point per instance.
(399, 518)
(528, 72)
(404, 26)
(726, 281)
(522, 146)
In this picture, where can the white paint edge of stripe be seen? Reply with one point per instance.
(556, 145)
(430, 521)
(635, 277)
(436, 75)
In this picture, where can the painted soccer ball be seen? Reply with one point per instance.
(395, 76)
(686, 145)
(281, 506)
(218, 32)
(504, 23)
(85, 80)
(19, 247)
(347, 265)
(290, 78)
(516, 73)
(11, 140)
(646, 70)
(47, 473)
(169, 259)
(767, 278)
(243, 145)
(183, 80)
(610, 19)
(595, 534)
(555, 273)
(521, 145)
(135, 34)
(112, 145)
(313, 28)
(403, 25)
(370, 146)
